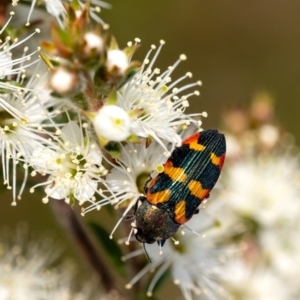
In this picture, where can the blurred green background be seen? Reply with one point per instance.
(235, 47)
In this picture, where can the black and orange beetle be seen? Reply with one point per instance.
(174, 195)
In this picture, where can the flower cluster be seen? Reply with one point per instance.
(71, 124)
(262, 189)
(27, 271)
(91, 129)
(24, 107)
(195, 256)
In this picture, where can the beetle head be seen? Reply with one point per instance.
(153, 224)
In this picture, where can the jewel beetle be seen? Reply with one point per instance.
(174, 195)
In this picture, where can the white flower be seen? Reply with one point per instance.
(281, 249)
(112, 122)
(126, 179)
(74, 165)
(28, 273)
(14, 68)
(159, 100)
(23, 263)
(66, 287)
(265, 188)
(21, 128)
(262, 189)
(54, 8)
(256, 283)
(57, 10)
(195, 257)
(5, 64)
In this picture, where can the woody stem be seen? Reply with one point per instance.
(73, 225)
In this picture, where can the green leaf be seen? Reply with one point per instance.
(129, 51)
(75, 5)
(46, 58)
(5, 91)
(11, 32)
(102, 84)
(114, 149)
(80, 101)
(129, 74)
(102, 141)
(9, 83)
(64, 36)
(48, 46)
(111, 99)
(133, 139)
(110, 246)
(113, 45)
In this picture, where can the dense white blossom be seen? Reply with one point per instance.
(195, 257)
(134, 120)
(66, 287)
(23, 265)
(74, 166)
(24, 117)
(127, 177)
(28, 273)
(252, 283)
(22, 109)
(13, 69)
(159, 100)
(262, 189)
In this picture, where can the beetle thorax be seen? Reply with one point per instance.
(153, 224)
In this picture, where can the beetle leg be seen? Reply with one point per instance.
(139, 201)
(148, 257)
(161, 243)
(147, 181)
(129, 217)
(146, 184)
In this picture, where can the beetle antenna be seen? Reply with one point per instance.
(148, 257)
(129, 217)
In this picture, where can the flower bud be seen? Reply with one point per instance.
(64, 81)
(117, 62)
(113, 123)
(93, 42)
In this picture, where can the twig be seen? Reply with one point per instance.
(72, 224)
